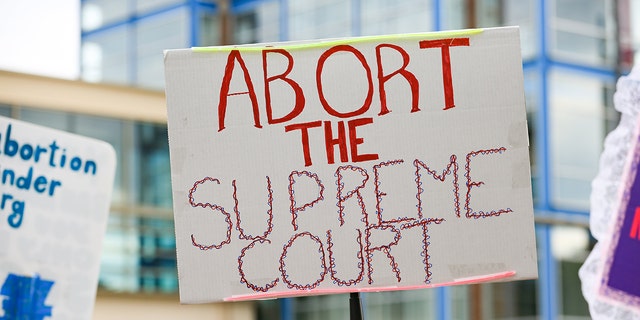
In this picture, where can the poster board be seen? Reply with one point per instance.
(54, 202)
(359, 164)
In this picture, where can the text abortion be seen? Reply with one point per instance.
(346, 138)
(372, 219)
(28, 178)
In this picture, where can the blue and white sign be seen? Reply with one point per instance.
(55, 191)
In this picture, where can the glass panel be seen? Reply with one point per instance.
(453, 15)
(97, 13)
(105, 56)
(488, 13)
(510, 300)
(158, 255)
(591, 12)
(5, 111)
(110, 131)
(634, 28)
(120, 265)
(576, 133)
(143, 6)
(588, 46)
(153, 168)
(165, 31)
(244, 28)
(268, 21)
(209, 29)
(319, 19)
(523, 14)
(51, 119)
(584, 30)
(532, 93)
(570, 247)
(460, 302)
(413, 304)
(322, 307)
(389, 17)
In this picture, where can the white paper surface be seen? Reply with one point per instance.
(377, 175)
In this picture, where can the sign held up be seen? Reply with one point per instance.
(54, 204)
(358, 164)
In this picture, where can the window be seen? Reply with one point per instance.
(154, 35)
(577, 129)
(97, 13)
(144, 6)
(319, 19)
(523, 14)
(244, 28)
(570, 246)
(583, 31)
(391, 17)
(105, 56)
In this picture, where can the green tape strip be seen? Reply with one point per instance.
(333, 42)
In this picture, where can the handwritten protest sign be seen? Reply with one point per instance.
(360, 164)
(54, 202)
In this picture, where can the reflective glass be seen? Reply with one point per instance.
(591, 12)
(143, 6)
(411, 304)
(577, 129)
(104, 56)
(245, 27)
(158, 255)
(268, 21)
(389, 17)
(110, 131)
(583, 30)
(52, 119)
(120, 262)
(168, 30)
(97, 13)
(453, 15)
(319, 19)
(570, 247)
(523, 14)
(153, 168)
(209, 29)
(532, 99)
(5, 111)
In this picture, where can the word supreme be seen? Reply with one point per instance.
(372, 220)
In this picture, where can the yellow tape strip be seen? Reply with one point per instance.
(334, 42)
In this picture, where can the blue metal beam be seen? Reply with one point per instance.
(443, 303)
(548, 284)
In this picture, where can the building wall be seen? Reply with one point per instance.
(111, 306)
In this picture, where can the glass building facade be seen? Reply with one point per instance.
(573, 51)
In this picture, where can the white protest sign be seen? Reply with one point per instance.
(362, 164)
(54, 203)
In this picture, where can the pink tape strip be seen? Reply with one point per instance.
(459, 281)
